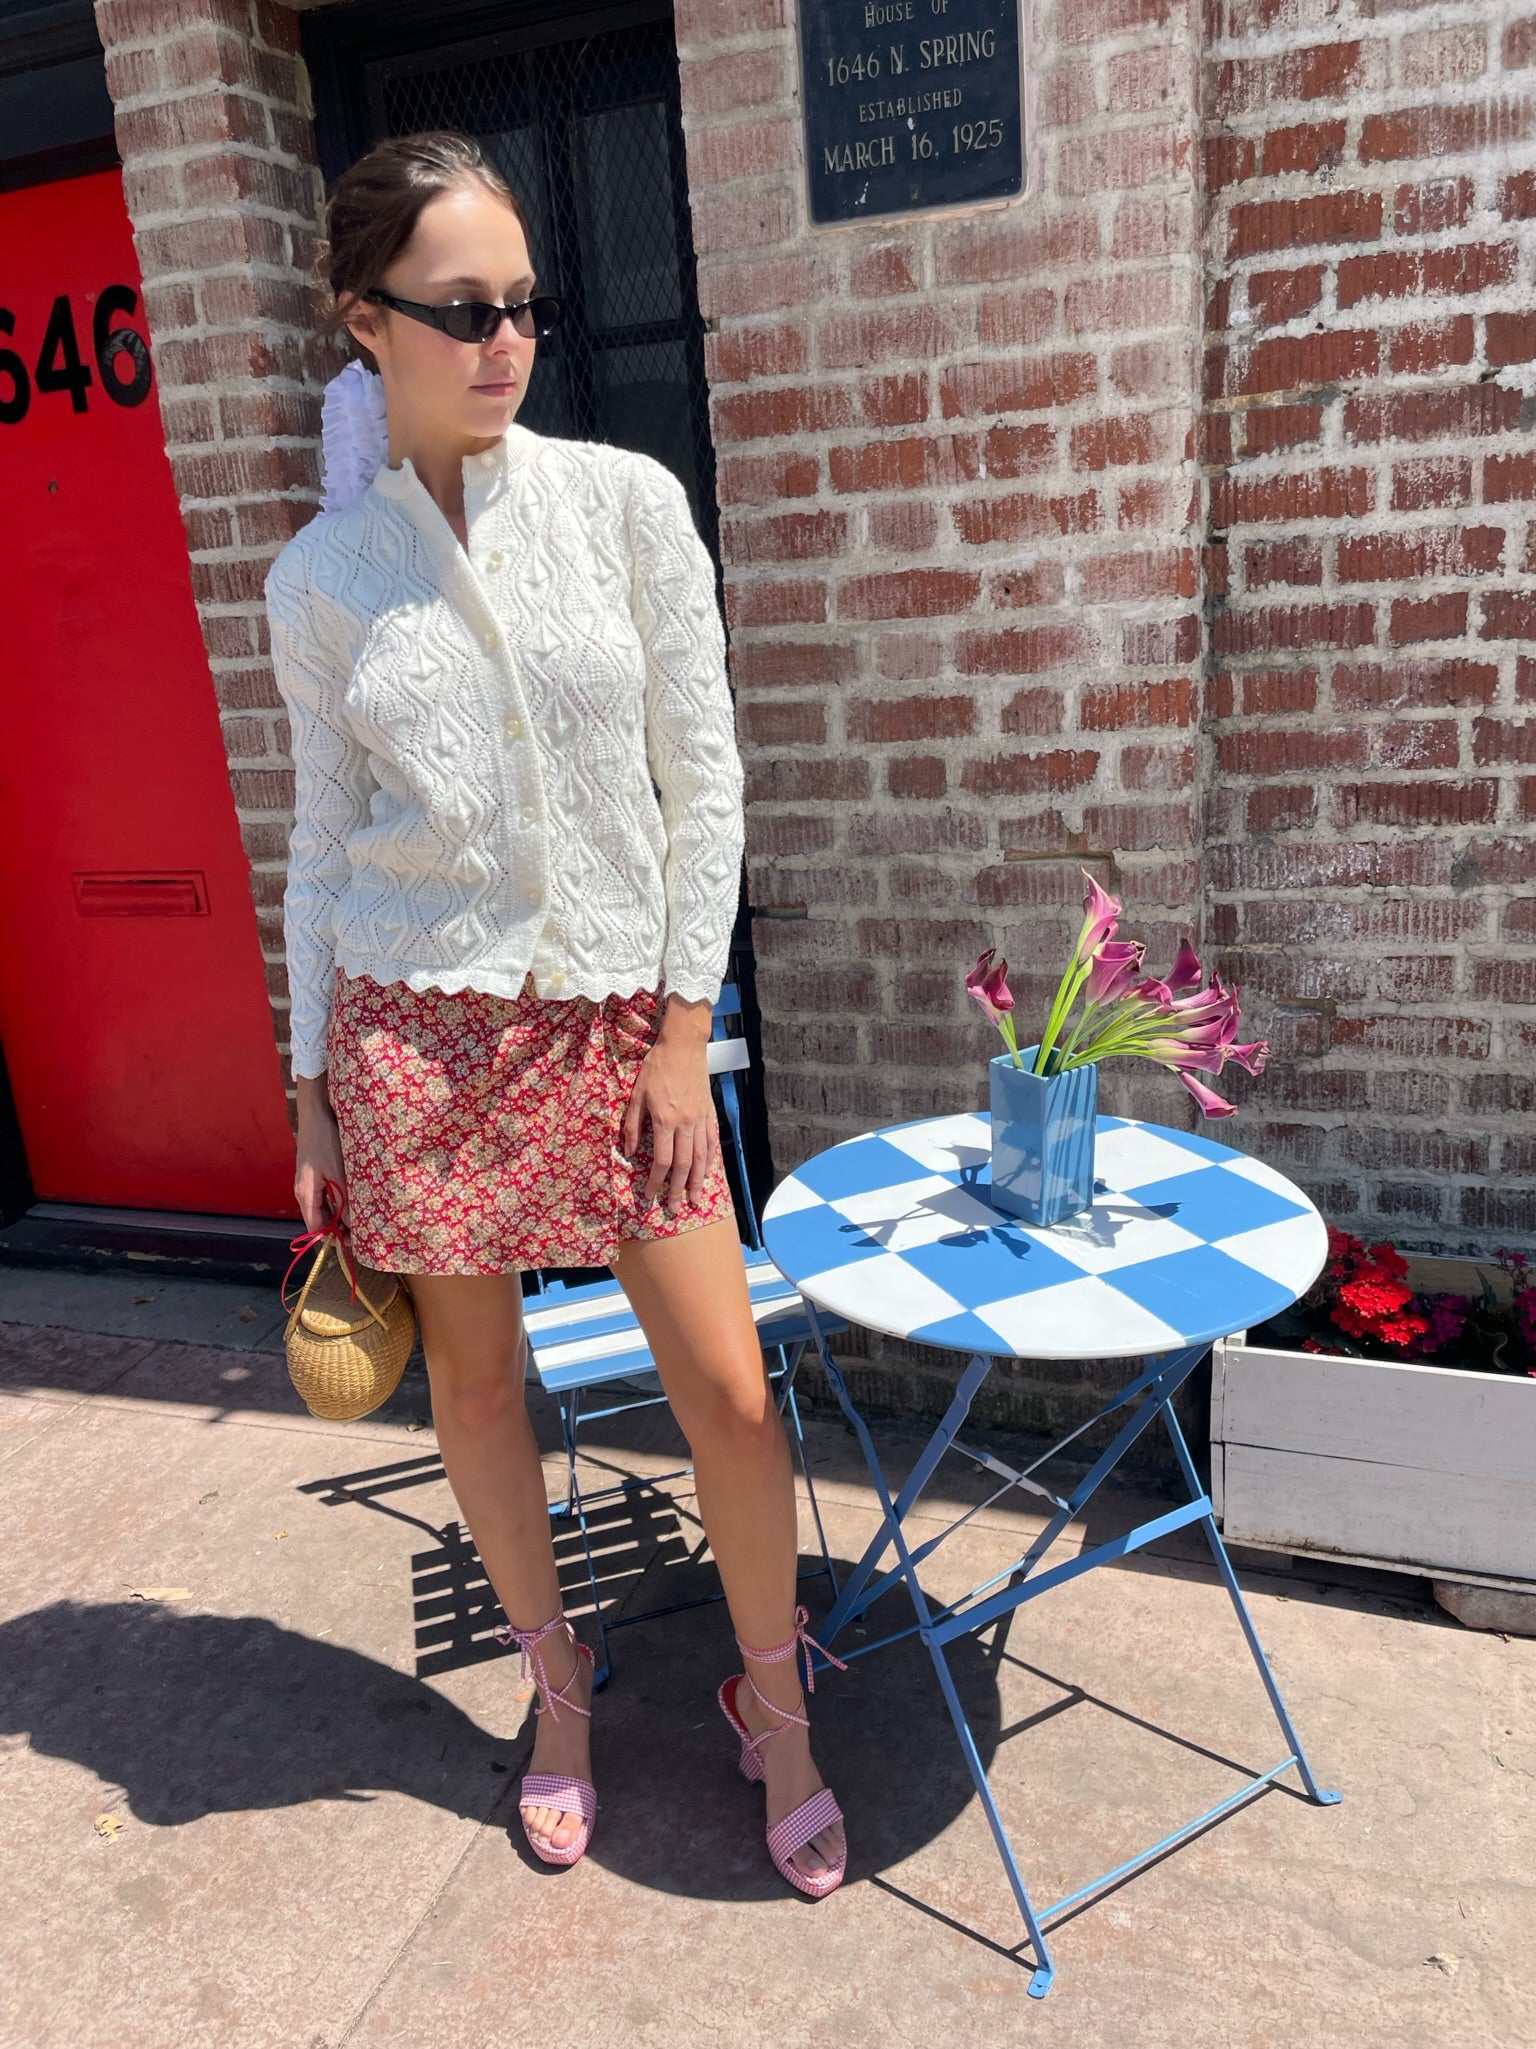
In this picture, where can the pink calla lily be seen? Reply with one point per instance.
(976, 980)
(1211, 1037)
(988, 983)
(1211, 1104)
(1183, 1054)
(1254, 1057)
(1115, 962)
(1213, 1000)
(1155, 993)
(1186, 972)
(1101, 914)
(1104, 1006)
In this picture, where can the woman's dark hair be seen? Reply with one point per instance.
(375, 204)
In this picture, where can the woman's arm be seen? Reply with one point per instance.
(691, 746)
(332, 787)
(690, 726)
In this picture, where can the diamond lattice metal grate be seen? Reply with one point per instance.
(588, 135)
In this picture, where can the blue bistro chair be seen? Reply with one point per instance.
(586, 1349)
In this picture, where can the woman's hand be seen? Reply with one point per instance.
(672, 1088)
(318, 1153)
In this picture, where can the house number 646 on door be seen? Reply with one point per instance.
(59, 366)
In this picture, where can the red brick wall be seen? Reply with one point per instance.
(975, 639)
(1371, 700)
(960, 516)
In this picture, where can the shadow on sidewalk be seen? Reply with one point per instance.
(192, 1715)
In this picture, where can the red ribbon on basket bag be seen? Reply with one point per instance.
(333, 1228)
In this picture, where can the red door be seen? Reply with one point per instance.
(133, 1005)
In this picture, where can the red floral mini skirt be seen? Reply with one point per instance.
(483, 1134)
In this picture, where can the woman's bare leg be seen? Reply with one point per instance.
(472, 1334)
(690, 1294)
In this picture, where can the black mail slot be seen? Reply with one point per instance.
(183, 894)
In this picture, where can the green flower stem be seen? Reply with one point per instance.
(1061, 1003)
(1092, 1022)
(1100, 1032)
(1107, 1045)
(1126, 1037)
(1085, 1020)
(1122, 1029)
(1067, 991)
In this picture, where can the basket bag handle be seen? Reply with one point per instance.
(331, 1237)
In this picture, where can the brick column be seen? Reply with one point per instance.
(1372, 379)
(213, 124)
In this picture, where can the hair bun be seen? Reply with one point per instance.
(354, 435)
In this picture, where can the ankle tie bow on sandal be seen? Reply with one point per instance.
(812, 1816)
(553, 1789)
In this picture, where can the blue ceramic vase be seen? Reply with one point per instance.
(1042, 1139)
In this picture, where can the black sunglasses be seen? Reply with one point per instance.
(476, 320)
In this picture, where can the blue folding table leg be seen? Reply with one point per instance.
(1160, 1382)
(849, 1602)
(891, 1533)
(1224, 1567)
(1165, 1375)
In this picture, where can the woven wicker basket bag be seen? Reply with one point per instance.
(351, 1330)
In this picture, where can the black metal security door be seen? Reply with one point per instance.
(587, 135)
(583, 121)
(579, 109)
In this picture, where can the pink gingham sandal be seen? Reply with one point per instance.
(553, 1789)
(807, 1820)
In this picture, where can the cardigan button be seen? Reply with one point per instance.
(514, 730)
(527, 816)
(488, 640)
(495, 559)
(557, 980)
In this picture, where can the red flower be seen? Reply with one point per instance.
(1372, 1299)
(1363, 1290)
(1368, 1296)
(1401, 1330)
(1344, 1252)
(1390, 1260)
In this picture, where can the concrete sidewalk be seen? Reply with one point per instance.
(259, 1759)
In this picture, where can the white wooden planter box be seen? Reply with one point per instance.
(1423, 1469)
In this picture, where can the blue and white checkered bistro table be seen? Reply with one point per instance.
(1187, 1241)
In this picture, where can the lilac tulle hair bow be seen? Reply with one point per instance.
(354, 435)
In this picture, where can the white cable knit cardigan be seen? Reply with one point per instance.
(517, 759)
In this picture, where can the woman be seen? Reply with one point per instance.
(511, 886)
